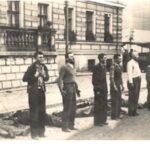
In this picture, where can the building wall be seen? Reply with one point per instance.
(82, 49)
(29, 17)
(3, 13)
(85, 51)
(12, 69)
(12, 66)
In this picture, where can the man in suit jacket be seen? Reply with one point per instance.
(100, 91)
(36, 75)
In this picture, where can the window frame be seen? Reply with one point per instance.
(92, 34)
(93, 20)
(13, 13)
(110, 22)
(73, 26)
(108, 35)
(43, 18)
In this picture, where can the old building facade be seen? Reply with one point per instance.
(30, 25)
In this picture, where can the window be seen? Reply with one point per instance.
(108, 28)
(70, 19)
(71, 25)
(90, 26)
(13, 13)
(89, 16)
(43, 14)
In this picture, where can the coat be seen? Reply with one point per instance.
(29, 77)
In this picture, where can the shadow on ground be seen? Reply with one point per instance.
(127, 128)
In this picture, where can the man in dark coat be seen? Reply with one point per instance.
(100, 92)
(36, 75)
(116, 86)
(68, 88)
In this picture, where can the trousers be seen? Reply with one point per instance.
(115, 102)
(37, 113)
(100, 107)
(134, 92)
(69, 106)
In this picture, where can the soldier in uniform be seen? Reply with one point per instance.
(100, 91)
(134, 83)
(148, 86)
(116, 85)
(68, 88)
(36, 75)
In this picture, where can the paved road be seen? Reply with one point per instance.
(126, 128)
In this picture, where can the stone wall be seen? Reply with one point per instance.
(13, 68)
(3, 13)
(84, 51)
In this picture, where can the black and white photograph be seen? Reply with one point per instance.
(74, 70)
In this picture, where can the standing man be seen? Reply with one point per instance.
(116, 86)
(100, 91)
(36, 75)
(148, 86)
(134, 83)
(68, 88)
(125, 60)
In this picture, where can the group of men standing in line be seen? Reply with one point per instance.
(37, 74)
(116, 87)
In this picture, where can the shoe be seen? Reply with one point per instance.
(113, 118)
(42, 135)
(73, 128)
(136, 114)
(105, 123)
(100, 125)
(130, 114)
(133, 115)
(65, 130)
(35, 138)
(121, 117)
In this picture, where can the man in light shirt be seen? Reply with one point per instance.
(134, 83)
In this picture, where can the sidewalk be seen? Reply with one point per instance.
(18, 99)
